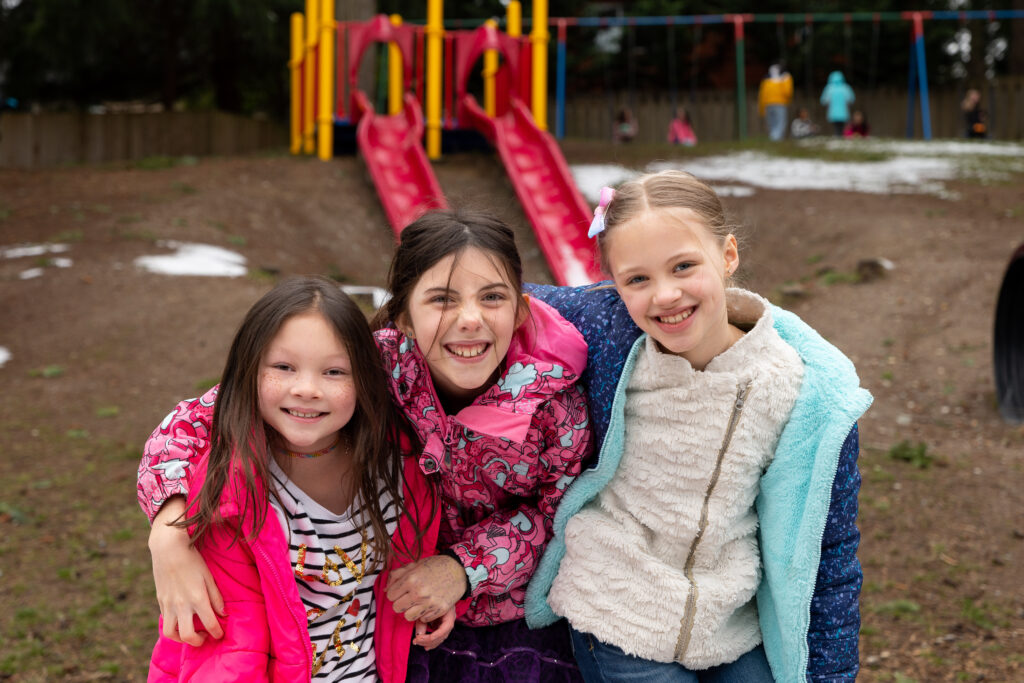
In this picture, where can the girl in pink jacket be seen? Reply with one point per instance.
(488, 381)
(298, 499)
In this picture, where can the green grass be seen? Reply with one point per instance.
(48, 372)
(206, 383)
(836, 277)
(916, 455)
(161, 163)
(67, 236)
(900, 609)
(263, 275)
(976, 614)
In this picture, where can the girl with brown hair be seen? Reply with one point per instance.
(298, 499)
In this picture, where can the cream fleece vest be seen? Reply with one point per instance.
(664, 563)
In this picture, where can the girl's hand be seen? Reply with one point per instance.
(431, 634)
(425, 590)
(184, 585)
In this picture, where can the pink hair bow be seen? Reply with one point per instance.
(597, 225)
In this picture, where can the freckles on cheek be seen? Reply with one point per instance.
(268, 385)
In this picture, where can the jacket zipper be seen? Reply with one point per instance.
(686, 623)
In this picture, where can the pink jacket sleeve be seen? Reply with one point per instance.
(502, 551)
(174, 447)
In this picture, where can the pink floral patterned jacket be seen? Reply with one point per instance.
(502, 463)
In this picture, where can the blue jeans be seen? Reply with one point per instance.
(603, 663)
(775, 118)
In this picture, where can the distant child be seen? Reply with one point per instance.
(680, 130)
(624, 129)
(716, 536)
(975, 122)
(858, 126)
(773, 99)
(295, 485)
(487, 378)
(803, 126)
(837, 96)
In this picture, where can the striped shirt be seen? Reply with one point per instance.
(333, 564)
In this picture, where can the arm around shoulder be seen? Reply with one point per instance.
(171, 450)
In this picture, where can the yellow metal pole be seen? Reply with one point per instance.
(514, 18)
(395, 85)
(309, 86)
(325, 103)
(435, 55)
(295, 65)
(539, 36)
(490, 69)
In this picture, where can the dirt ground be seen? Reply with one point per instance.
(101, 350)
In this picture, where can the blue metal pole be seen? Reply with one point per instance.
(922, 77)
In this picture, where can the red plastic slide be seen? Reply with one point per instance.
(544, 185)
(533, 160)
(398, 165)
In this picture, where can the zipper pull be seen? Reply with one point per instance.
(741, 395)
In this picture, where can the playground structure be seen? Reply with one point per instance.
(390, 143)
(428, 68)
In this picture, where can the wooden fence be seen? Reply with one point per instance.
(51, 139)
(714, 113)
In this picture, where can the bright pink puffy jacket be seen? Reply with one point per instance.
(265, 635)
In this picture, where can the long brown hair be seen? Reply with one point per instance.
(241, 443)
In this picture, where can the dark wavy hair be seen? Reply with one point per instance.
(438, 234)
(242, 443)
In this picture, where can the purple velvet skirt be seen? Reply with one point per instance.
(505, 653)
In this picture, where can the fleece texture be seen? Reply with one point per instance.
(807, 508)
(681, 458)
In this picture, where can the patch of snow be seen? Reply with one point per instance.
(30, 273)
(915, 167)
(910, 175)
(378, 295)
(33, 250)
(5, 355)
(733, 190)
(920, 147)
(191, 258)
(575, 270)
(590, 178)
(61, 262)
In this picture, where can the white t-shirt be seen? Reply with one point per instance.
(339, 597)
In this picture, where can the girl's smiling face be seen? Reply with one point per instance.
(306, 389)
(462, 313)
(671, 272)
